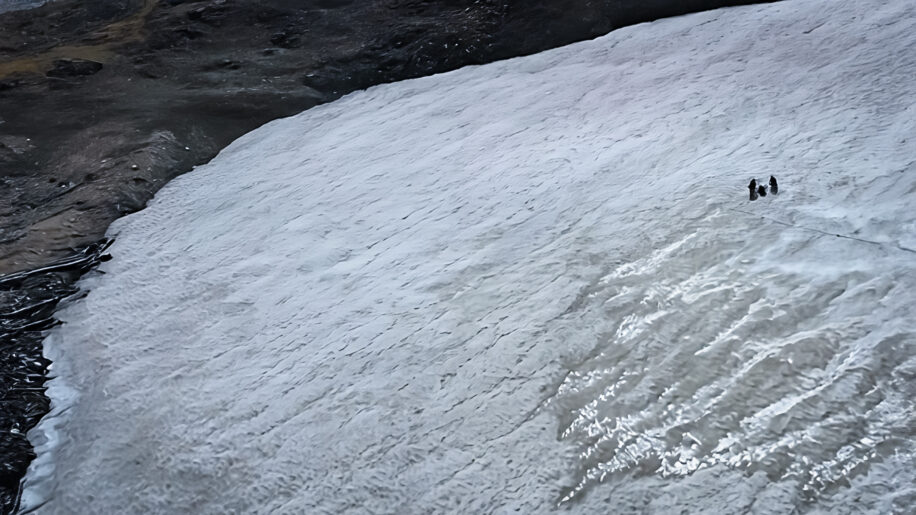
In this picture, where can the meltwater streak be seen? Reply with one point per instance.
(754, 350)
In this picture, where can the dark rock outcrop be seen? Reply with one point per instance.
(73, 68)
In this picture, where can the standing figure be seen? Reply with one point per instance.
(773, 186)
(753, 187)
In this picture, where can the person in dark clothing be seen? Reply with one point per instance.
(753, 188)
(774, 187)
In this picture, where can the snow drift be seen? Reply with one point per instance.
(526, 285)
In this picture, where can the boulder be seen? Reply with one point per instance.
(64, 68)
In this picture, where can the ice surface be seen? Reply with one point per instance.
(530, 285)
(18, 5)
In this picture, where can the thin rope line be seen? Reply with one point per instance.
(825, 233)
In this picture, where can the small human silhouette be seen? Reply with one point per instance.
(762, 190)
(753, 188)
(774, 187)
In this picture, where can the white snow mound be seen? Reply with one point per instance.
(527, 285)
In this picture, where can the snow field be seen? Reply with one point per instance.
(530, 284)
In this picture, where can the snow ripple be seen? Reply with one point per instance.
(710, 355)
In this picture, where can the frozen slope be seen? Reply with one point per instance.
(525, 285)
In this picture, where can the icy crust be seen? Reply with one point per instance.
(525, 285)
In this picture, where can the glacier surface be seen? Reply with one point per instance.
(19, 5)
(527, 286)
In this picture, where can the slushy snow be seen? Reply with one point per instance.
(527, 286)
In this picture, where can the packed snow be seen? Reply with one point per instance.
(533, 285)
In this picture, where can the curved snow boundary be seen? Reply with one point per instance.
(19, 5)
(391, 302)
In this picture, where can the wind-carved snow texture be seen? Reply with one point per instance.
(523, 286)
